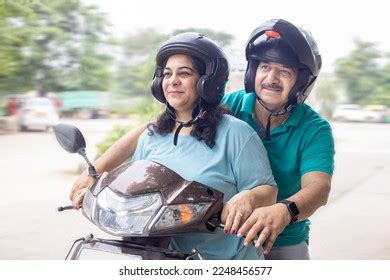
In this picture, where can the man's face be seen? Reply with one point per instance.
(273, 83)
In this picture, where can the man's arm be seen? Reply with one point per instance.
(270, 221)
(118, 153)
(314, 193)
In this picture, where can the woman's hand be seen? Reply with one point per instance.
(236, 210)
(265, 224)
(80, 186)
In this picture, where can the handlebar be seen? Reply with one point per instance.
(62, 208)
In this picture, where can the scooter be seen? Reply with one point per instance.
(143, 204)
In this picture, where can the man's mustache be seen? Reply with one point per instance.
(272, 86)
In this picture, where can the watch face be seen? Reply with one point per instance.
(292, 208)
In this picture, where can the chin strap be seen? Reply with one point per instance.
(201, 115)
(268, 128)
(285, 109)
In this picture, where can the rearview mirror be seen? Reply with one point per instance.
(72, 140)
(69, 137)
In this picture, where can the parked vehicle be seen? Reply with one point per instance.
(143, 204)
(353, 112)
(84, 104)
(37, 113)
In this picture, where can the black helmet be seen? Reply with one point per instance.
(211, 85)
(282, 42)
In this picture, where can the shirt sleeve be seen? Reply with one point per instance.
(251, 167)
(318, 153)
(140, 152)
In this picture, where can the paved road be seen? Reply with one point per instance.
(36, 175)
(355, 223)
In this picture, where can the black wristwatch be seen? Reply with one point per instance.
(292, 208)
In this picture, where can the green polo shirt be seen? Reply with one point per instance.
(303, 143)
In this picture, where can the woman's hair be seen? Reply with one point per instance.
(204, 129)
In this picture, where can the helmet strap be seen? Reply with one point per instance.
(268, 128)
(287, 107)
(171, 111)
(200, 116)
(278, 112)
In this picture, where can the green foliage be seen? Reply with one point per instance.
(135, 78)
(13, 36)
(148, 109)
(143, 43)
(135, 70)
(381, 95)
(116, 133)
(145, 111)
(363, 75)
(52, 46)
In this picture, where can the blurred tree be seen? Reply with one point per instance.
(13, 37)
(53, 45)
(136, 67)
(326, 96)
(381, 94)
(143, 43)
(360, 71)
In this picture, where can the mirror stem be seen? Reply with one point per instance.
(91, 168)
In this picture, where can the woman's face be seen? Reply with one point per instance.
(179, 83)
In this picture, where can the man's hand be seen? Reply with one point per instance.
(267, 222)
(79, 189)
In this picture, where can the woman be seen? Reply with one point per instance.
(197, 139)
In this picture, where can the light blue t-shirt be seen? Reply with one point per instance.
(237, 162)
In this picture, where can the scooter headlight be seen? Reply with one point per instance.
(120, 215)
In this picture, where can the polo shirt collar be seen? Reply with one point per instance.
(294, 119)
(248, 103)
(296, 115)
(248, 106)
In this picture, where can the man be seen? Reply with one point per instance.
(283, 64)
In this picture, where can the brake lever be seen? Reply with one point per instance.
(214, 223)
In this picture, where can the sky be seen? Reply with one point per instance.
(334, 24)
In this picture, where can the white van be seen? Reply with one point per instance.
(354, 113)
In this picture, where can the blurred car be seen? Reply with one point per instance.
(354, 113)
(37, 113)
